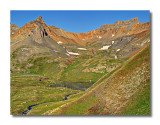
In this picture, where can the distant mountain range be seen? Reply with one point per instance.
(124, 37)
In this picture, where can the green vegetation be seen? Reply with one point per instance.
(119, 89)
(81, 107)
(108, 75)
(48, 80)
(30, 84)
(27, 90)
(70, 70)
(139, 104)
(74, 85)
(47, 108)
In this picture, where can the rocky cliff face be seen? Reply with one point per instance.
(13, 30)
(33, 39)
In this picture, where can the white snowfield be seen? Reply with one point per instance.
(55, 51)
(67, 54)
(118, 50)
(60, 42)
(82, 48)
(112, 42)
(72, 53)
(99, 37)
(104, 47)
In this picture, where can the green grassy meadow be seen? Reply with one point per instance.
(48, 80)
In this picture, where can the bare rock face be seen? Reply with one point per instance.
(39, 19)
(34, 38)
(13, 29)
(104, 33)
(38, 34)
(128, 22)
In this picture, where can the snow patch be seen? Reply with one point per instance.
(82, 48)
(100, 37)
(118, 50)
(112, 42)
(112, 35)
(72, 53)
(104, 47)
(115, 57)
(55, 51)
(67, 54)
(59, 42)
(83, 39)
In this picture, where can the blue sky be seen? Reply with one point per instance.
(77, 21)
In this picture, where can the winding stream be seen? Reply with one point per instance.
(30, 107)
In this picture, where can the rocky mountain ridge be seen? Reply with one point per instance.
(115, 40)
(105, 32)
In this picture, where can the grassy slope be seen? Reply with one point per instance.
(37, 91)
(126, 92)
(27, 90)
(47, 108)
(139, 104)
(68, 70)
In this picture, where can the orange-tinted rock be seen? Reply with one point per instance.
(104, 33)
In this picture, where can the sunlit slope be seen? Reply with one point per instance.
(68, 70)
(126, 91)
(27, 90)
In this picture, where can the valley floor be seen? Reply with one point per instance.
(37, 84)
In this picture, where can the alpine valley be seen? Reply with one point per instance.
(105, 71)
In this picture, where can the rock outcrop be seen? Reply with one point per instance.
(33, 39)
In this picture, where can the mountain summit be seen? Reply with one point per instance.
(39, 19)
(131, 21)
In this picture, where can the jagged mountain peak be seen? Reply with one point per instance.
(13, 25)
(133, 20)
(39, 19)
(121, 23)
(37, 29)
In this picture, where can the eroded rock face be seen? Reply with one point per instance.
(38, 34)
(13, 29)
(104, 33)
(39, 19)
(34, 37)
